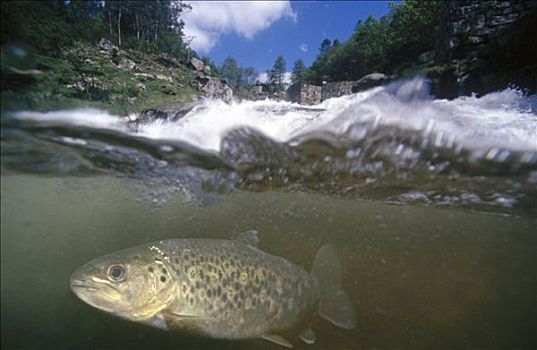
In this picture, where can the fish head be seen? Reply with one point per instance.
(134, 284)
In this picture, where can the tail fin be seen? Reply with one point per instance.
(335, 305)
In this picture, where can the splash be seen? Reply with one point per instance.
(393, 143)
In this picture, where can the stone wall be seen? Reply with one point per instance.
(336, 89)
(304, 94)
(472, 24)
(488, 45)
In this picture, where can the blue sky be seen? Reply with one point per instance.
(256, 32)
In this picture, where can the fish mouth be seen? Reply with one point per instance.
(76, 284)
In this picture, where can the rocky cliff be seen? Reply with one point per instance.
(486, 45)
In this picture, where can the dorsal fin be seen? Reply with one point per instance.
(248, 237)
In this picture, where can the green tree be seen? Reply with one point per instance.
(298, 75)
(231, 72)
(277, 74)
(326, 45)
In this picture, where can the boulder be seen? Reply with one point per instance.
(126, 64)
(168, 60)
(170, 113)
(369, 81)
(197, 64)
(108, 46)
(216, 88)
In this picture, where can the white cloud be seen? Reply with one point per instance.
(263, 77)
(287, 78)
(209, 19)
(303, 48)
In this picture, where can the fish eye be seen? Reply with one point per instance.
(116, 273)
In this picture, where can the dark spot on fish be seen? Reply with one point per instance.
(184, 289)
(209, 293)
(150, 269)
(232, 262)
(219, 274)
(192, 289)
(236, 298)
(198, 285)
(239, 305)
(218, 290)
(224, 297)
(176, 260)
(254, 301)
(207, 279)
(211, 259)
(237, 285)
(202, 258)
(191, 301)
(241, 294)
(164, 271)
(162, 279)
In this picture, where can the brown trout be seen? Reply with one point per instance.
(224, 289)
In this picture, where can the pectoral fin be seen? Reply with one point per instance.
(277, 340)
(174, 318)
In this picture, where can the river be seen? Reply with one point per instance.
(431, 205)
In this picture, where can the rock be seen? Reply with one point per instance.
(216, 88)
(501, 20)
(369, 81)
(426, 56)
(207, 70)
(168, 60)
(475, 39)
(197, 64)
(108, 46)
(127, 64)
(164, 77)
(170, 113)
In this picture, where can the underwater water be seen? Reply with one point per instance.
(431, 205)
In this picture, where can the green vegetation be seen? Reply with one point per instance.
(276, 75)
(299, 69)
(390, 45)
(50, 56)
(239, 78)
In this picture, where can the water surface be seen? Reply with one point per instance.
(431, 205)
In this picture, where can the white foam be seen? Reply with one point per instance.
(505, 120)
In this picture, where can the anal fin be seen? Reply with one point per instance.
(307, 336)
(277, 340)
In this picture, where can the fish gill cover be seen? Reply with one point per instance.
(393, 143)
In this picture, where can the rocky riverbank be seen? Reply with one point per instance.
(105, 76)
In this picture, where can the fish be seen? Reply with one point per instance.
(223, 289)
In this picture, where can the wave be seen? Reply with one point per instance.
(393, 143)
